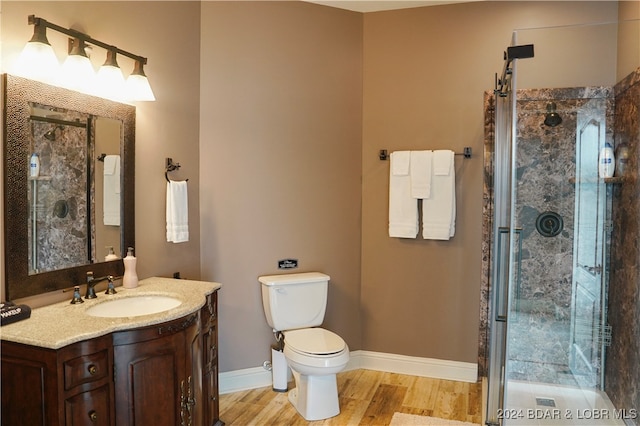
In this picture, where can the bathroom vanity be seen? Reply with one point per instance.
(64, 366)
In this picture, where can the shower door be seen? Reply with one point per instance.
(586, 356)
(547, 313)
(503, 266)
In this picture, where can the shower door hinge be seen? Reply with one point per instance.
(608, 225)
(604, 335)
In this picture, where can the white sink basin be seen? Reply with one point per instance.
(133, 306)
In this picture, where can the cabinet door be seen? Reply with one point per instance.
(92, 408)
(27, 370)
(151, 379)
(147, 381)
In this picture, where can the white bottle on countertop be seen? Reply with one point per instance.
(130, 278)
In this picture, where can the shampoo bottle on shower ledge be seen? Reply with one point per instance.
(130, 278)
(606, 161)
(34, 165)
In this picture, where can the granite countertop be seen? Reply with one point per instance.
(58, 325)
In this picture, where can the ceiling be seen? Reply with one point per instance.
(378, 5)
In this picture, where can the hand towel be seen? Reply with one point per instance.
(439, 210)
(111, 190)
(403, 209)
(421, 173)
(177, 212)
(443, 162)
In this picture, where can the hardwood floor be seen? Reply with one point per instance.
(366, 398)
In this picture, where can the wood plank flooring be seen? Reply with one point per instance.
(366, 398)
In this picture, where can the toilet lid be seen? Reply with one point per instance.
(316, 341)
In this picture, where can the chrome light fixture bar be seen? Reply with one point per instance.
(38, 49)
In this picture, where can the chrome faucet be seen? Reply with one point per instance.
(91, 283)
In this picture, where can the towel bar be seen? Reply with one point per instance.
(384, 155)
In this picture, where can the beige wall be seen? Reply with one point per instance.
(628, 38)
(165, 128)
(280, 151)
(279, 134)
(425, 72)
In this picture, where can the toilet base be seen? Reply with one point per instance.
(315, 397)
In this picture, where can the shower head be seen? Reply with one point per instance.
(552, 119)
(51, 134)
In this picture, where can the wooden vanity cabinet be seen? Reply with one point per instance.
(165, 374)
(69, 386)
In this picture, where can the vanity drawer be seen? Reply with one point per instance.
(90, 408)
(86, 368)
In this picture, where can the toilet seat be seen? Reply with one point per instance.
(314, 342)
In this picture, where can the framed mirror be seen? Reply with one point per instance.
(69, 162)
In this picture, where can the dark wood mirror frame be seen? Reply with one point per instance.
(18, 94)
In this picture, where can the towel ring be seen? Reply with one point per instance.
(170, 167)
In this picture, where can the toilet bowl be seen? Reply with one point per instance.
(315, 356)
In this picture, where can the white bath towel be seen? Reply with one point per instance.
(439, 210)
(177, 212)
(421, 173)
(403, 209)
(111, 190)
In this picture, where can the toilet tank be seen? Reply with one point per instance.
(292, 301)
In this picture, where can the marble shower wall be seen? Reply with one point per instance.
(623, 357)
(545, 172)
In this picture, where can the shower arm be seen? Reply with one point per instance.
(513, 52)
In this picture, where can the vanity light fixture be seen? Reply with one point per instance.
(77, 72)
(110, 80)
(138, 85)
(38, 62)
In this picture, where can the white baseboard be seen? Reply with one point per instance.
(417, 366)
(245, 379)
(257, 377)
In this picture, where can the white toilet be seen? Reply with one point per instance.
(293, 303)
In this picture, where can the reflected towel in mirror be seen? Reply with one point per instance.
(111, 190)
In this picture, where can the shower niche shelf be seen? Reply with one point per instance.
(616, 180)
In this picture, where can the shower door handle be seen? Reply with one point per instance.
(502, 275)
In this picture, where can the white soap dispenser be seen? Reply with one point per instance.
(130, 279)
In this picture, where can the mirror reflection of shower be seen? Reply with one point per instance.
(551, 119)
(59, 221)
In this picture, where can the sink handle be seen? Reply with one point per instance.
(76, 296)
(110, 289)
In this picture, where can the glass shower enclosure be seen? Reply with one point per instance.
(550, 238)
